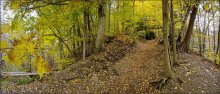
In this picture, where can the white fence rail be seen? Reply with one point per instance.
(17, 74)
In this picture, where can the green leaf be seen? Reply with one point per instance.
(207, 6)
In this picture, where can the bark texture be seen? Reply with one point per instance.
(173, 34)
(188, 35)
(168, 72)
(101, 25)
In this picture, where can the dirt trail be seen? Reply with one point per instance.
(140, 67)
(135, 60)
(199, 75)
(132, 75)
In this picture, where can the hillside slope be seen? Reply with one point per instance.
(127, 68)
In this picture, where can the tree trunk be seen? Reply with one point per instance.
(183, 26)
(168, 72)
(1, 61)
(117, 21)
(187, 38)
(109, 16)
(61, 53)
(89, 35)
(213, 16)
(193, 41)
(79, 44)
(206, 30)
(62, 41)
(85, 18)
(209, 39)
(114, 24)
(199, 36)
(218, 48)
(133, 15)
(123, 18)
(204, 35)
(101, 25)
(173, 34)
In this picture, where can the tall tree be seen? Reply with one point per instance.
(133, 14)
(204, 34)
(85, 18)
(101, 25)
(117, 18)
(184, 21)
(218, 48)
(173, 34)
(61, 53)
(109, 15)
(1, 61)
(213, 25)
(168, 72)
(187, 37)
(123, 18)
(199, 35)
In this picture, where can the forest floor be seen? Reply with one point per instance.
(127, 67)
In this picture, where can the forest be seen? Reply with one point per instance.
(109, 47)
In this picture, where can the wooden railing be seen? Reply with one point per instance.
(17, 74)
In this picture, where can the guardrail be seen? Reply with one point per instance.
(17, 74)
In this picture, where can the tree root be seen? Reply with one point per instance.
(160, 83)
(176, 64)
(179, 80)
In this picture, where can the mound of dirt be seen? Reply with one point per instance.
(114, 50)
(103, 61)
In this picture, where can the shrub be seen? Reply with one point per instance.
(150, 35)
(141, 34)
(25, 80)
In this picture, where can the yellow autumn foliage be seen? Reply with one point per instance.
(5, 44)
(209, 53)
(15, 4)
(20, 53)
(43, 67)
(217, 59)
